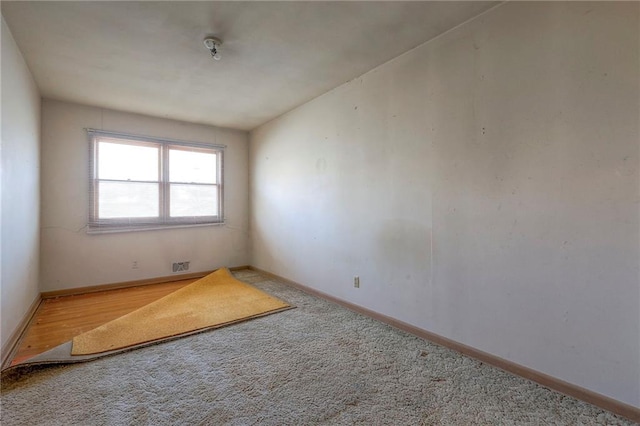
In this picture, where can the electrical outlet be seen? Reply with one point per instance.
(180, 266)
(356, 282)
(134, 264)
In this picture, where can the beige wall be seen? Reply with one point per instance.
(20, 200)
(72, 258)
(484, 186)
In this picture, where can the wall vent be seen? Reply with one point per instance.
(180, 266)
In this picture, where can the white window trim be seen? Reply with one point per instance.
(100, 226)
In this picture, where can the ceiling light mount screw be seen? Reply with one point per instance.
(213, 45)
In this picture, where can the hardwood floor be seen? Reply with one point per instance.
(59, 319)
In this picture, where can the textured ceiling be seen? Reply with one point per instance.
(148, 57)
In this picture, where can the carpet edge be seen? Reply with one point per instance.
(55, 359)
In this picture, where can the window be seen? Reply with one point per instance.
(141, 183)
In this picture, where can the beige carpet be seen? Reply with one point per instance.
(213, 301)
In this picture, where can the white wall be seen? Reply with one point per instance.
(72, 258)
(484, 187)
(20, 177)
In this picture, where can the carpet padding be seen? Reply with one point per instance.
(215, 300)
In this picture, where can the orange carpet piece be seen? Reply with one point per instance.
(213, 301)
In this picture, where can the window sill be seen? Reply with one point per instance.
(115, 229)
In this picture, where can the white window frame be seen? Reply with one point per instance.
(107, 225)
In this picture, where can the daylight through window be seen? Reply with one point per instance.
(146, 183)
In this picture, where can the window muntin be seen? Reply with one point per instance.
(141, 183)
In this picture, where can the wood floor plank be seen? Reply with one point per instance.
(60, 319)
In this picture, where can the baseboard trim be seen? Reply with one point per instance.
(127, 284)
(543, 379)
(12, 344)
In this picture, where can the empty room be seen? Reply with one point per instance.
(301, 212)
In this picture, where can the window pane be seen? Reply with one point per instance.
(127, 162)
(193, 200)
(124, 199)
(192, 166)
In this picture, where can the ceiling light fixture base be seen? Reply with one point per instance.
(213, 45)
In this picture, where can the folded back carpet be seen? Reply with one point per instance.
(211, 302)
